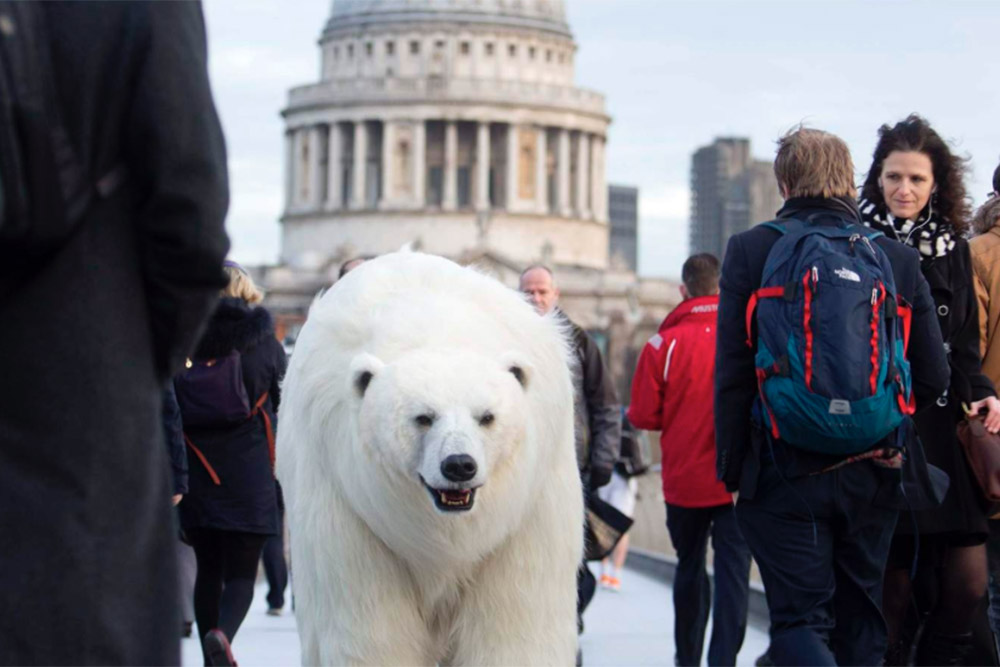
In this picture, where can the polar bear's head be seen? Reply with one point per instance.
(448, 421)
(431, 403)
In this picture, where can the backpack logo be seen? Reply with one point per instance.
(846, 274)
(840, 407)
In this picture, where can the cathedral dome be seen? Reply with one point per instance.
(544, 15)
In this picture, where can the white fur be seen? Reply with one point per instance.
(381, 576)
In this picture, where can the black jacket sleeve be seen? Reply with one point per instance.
(176, 160)
(735, 379)
(280, 366)
(965, 350)
(928, 362)
(173, 433)
(603, 411)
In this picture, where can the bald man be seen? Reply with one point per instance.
(597, 411)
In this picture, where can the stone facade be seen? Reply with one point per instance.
(454, 127)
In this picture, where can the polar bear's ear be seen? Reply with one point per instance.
(363, 368)
(519, 367)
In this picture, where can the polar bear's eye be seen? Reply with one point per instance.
(424, 420)
(486, 419)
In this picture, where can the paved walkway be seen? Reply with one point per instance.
(633, 627)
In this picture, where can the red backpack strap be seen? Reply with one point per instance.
(268, 427)
(906, 316)
(762, 293)
(204, 461)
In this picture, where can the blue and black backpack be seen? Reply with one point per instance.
(832, 335)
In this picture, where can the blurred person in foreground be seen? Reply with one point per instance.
(818, 501)
(597, 411)
(94, 326)
(229, 399)
(672, 393)
(914, 193)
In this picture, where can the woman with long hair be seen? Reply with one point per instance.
(229, 398)
(914, 193)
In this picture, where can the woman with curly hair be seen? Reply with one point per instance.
(914, 193)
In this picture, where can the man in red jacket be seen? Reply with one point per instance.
(672, 392)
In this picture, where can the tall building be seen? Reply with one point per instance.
(455, 124)
(730, 192)
(623, 214)
(455, 127)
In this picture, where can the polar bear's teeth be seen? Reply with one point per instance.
(453, 498)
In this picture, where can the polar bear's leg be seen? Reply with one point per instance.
(521, 610)
(355, 601)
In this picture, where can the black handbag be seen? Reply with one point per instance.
(604, 525)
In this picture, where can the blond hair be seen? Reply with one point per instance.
(241, 286)
(813, 163)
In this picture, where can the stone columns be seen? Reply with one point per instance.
(419, 163)
(562, 181)
(483, 166)
(334, 169)
(389, 175)
(449, 200)
(598, 188)
(541, 180)
(313, 201)
(298, 170)
(511, 194)
(583, 175)
(289, 169)
(360, 160)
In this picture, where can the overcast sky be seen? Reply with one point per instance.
(675, 75)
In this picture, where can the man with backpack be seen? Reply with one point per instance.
(827, 342)
(114, 193)
(672, 393)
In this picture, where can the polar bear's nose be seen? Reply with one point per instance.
(459, 467)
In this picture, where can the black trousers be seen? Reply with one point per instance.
(821, 546)
(275, 566)
(227, 569)
(690, 528)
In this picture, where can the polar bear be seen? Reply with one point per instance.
(425, 447)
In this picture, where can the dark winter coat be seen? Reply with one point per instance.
(173, 434)
(245, 499)
(596, 409)
(87, 567)
(739, 442)
(957, 312)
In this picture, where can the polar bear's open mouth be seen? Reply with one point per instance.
(452, 500)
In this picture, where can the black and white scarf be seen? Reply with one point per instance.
(930, 234)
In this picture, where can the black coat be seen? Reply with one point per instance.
(597, 412)
(245, 500)
(738, 441)
(87, 567)
(957, 312)
(173, 433)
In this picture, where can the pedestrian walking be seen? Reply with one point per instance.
(914, 193)
(985, 252)
(111, 246)
(817, 319)
(273, 559)
(597, 411)
(229, 398)
(621, 493)
(672, 392)
(173, 432)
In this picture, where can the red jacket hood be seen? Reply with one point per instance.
(699, 305)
